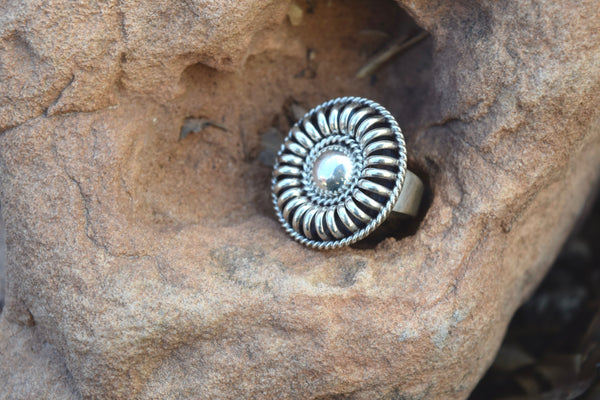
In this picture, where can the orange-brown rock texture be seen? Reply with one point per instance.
(145, 266)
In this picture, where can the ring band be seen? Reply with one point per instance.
(410, 195)
(340, 172)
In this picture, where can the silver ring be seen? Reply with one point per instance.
(340, 172)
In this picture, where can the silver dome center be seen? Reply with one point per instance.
(332, 170)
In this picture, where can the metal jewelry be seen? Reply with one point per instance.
(340, 172)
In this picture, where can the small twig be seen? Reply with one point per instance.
(393, 49)
(196, 125)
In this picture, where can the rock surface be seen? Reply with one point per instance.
(144, 266)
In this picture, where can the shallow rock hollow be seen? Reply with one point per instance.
(145, 265)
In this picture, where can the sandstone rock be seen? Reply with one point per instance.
(2, 262)
(144, 266)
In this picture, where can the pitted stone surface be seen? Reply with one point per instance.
(144, 266)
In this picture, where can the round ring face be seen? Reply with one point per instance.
(339, 173)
